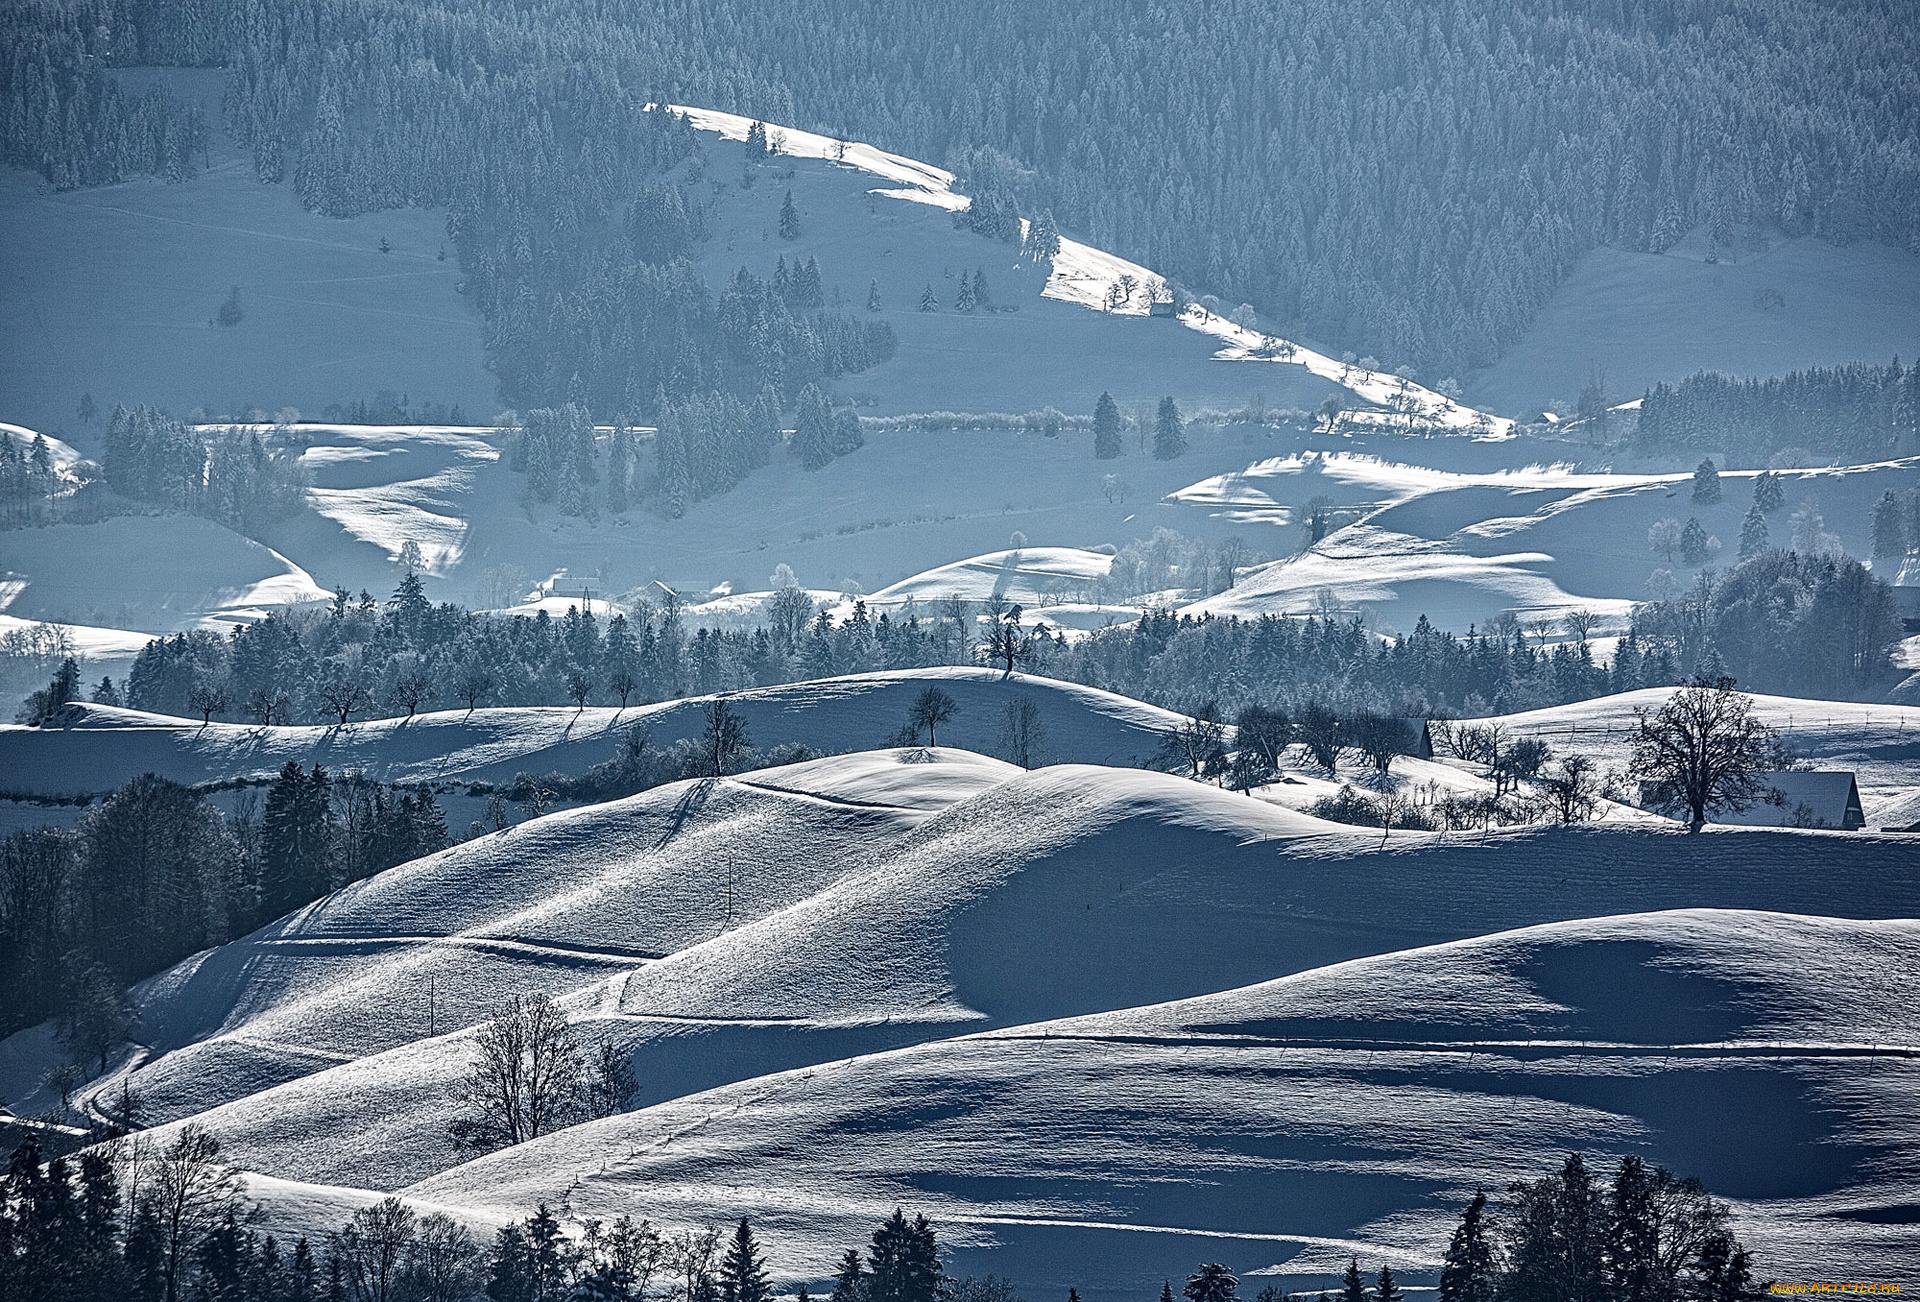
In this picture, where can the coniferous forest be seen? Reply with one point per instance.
(1409, 180)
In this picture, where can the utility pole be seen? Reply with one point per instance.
(431, 1011)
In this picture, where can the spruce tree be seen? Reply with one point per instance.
(1106, 428)
(1889, 527)
(1384, 1288)
(964, 300)
(1169, 431)
(789, 218)
(1753, 532)
(1769, 494)
(873, 296)
(1213, 1282)
(1468, 1273)
(813, 433)
(929, 302)
(981, 298)
(743, 1273)
(1693, 543)
(850, 1282)
(1706, 483)
(1352, 1287)
(296, 840)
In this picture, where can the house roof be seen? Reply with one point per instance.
(1803, 799)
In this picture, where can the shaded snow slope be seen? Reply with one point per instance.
(1880, 744)
(101, 746)
(1066, 891)
(1351, 1108)
(1537, 541)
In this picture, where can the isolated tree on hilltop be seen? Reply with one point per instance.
(1703, 750)
(931, 708)
(1106, 428)
(1169, 431)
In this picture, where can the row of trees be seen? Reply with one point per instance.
(28, 481)
(1853, 413)
(166, 1223)
(157, 871)
(136, 1219)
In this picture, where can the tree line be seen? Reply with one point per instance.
(133, 1218)
(156, 871)
(1854, 413)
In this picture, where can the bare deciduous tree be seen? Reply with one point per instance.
(931, 708)
(525, 1077)
(1022, 735)
(192, 1192)
(1703, 749)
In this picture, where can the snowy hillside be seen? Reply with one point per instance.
(876, 901)
(1461, 548)
(96, 748)
(1352, 1108)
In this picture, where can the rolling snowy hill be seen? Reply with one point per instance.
(1348, 1109)
(96, 748)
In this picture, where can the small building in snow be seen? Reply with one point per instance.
(1419, 738)
(1824, 799)
(1906, 592)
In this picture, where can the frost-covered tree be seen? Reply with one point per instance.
(1663, 537)
(1769, 494)
(1753, 532)
(813, 431)
(929, 301)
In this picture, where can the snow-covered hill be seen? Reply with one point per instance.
(1537, 541)
(876, 901)
(96, 748)
(1348, 1109)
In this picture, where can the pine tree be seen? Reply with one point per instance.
(1468, 1274)
(1384, 1288)
(1753, 533)
(1769, 494)
(1169, 431)
(789, 219)
(1706, 483)
(850, 1282)
(1889, 527)
(981, 298)
(928, 301)
(756, 142)
(964, 301)
(572, 496)
(1352, 1287)
(873, 296)
(296, 840)
(743, 1273)
(1211, 1283)
(813, 433)
(1106, 428)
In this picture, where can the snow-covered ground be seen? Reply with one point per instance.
(96, 748)
(1539, 541)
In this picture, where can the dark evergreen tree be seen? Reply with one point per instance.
(1469, 1272)
(1753, 533)
(743, 1274)
(789, 218)
(1706, 483)
(1169, 431)
(1211, 1283)
(813, 432)
(297, 836)
(1106, 428)
(1352, 1287)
